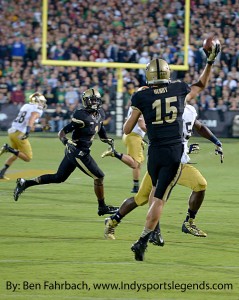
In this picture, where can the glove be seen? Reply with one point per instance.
(26, 135)
(193, 148)
(219, 151)
(108, 141)
(211, 55)
(71, 146)
(70, 142)
(47, 127)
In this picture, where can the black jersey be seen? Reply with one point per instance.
(84, 125)
(162, 108)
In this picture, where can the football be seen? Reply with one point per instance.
(209, 42)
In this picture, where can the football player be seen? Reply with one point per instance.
(190, 177)
(85, 123)
(20, 130)
(162, 106)
(135, 150)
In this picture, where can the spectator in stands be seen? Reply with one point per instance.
(203, 103)
(50, 95)
(71, 97)
(57, 121)
(108, 124)
(18, 49)
(211, 105)
(4, 88)
(17, 95)
(3, 99)
(221, 105)
(233, 103)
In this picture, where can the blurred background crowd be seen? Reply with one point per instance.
(132, 31)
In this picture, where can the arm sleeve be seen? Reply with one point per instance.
(102, 132)
(69, 128)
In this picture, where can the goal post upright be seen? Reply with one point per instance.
(118, 66)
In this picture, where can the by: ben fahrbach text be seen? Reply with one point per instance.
(46, 285)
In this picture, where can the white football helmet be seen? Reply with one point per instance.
(39, 99)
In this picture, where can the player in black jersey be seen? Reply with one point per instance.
(85, 123)
(162, 106)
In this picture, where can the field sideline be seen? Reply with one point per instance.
(52, 243)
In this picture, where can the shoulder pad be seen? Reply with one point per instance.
(176, 81)
(78, 117)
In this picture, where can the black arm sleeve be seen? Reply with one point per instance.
(69, 128)
(102, 132)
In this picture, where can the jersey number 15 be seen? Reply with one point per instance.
(171, 111)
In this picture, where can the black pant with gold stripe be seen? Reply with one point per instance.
(74, 158)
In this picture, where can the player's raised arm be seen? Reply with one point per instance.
(212, 48)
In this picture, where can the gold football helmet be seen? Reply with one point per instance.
(157, 71)
(39, 99)
(91, 99)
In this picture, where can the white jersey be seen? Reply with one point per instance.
(136, 128)
(189, 117)
(22, 120)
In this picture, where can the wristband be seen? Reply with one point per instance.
(28, 129)
(64, 140)
(210, 62)
(215, 141)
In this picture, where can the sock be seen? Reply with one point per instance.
(31, 182)
(13, 151)
(117, 217)
(118, 155)
(136, 183)
(101, 202)
(190, 214)
(145, 235)
(4, 169)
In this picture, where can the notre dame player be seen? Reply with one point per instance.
(20, 130)
(162, 106)
(84, 125)
(190, 177)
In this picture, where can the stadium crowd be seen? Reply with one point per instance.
(114, 31)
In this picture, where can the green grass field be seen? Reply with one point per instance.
(53, 233)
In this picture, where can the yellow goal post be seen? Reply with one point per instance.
(118, 66)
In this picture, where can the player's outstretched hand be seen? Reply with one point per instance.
(109, 141)
(193, 148)
(213, 52)
(219, 151)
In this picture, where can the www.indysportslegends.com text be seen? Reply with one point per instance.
(121, 285)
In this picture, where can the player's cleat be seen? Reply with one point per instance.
(107, 209)
(156, 238)
(4, 149)
(110, 228)
(139, 248)
(135, 189)
(2, 177)
(191, 228)
(19, 188)
(109, 152)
